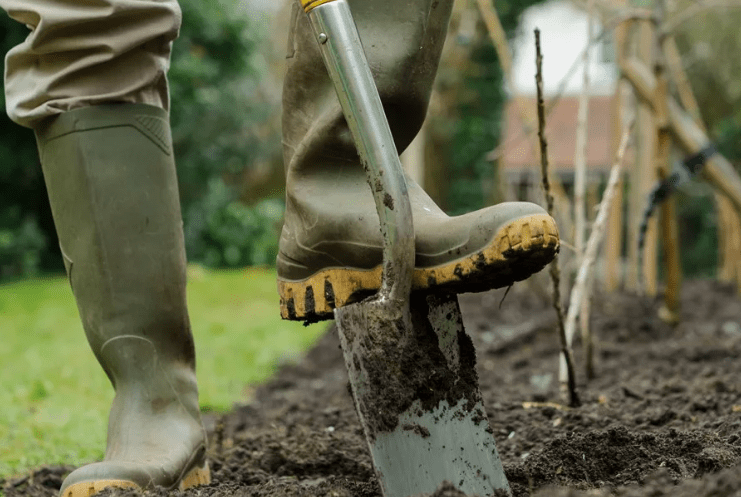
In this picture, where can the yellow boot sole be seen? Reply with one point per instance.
(517, 251)
(196, 476)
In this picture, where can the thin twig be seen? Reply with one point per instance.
(670, 311)
(578, 293)
(573, 396)
(580, 182)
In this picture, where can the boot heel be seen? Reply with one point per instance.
(315, 298)
(200, 475)
(90, 488)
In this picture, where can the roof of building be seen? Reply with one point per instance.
(518, 150)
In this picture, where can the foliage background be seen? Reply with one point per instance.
(225, 83)
(710, 42)
(223, 128)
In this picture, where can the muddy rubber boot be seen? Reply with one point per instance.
(111, 179)
(330, 248)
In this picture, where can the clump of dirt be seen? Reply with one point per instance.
(662, 418)
(44, 481)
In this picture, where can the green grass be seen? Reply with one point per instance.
(54, 398)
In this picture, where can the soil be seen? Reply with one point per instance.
(662, 417)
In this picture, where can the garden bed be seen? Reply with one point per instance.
(663, 416)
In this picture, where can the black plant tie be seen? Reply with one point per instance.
(664, 189)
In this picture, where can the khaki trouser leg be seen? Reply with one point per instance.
(79, 54)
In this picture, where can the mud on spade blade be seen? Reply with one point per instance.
(417, 396)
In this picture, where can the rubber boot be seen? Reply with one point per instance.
(111, 179)
(330, 248)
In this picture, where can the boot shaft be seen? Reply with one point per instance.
(330, 215)
(402, 41)
(113, 190)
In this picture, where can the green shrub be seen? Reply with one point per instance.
(698, 231)
(222, 232)
(21, 244)
(729, 138)
(214, 108)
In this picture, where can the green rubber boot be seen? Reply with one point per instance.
(111, 179)
(330, 248)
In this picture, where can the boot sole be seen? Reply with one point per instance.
(517, 251)
(196, 476)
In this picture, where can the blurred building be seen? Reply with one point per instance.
(564, 38)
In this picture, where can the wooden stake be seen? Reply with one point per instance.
(614, 243)
(669, 228)
(580, 185)
(646, 170)
(734, 246)
(636, 202)
(587, 338)
(728, 221)
(718, 171)
(726, 267)
(614, 237)
(580, 154)
(674, 65)
(729, 253)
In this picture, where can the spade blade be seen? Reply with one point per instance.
(413, 378)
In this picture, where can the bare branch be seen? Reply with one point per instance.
(573, 397)
(578, 293)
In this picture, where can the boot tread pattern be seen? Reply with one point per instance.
(520, 249)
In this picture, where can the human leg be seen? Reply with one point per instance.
(90, 80)
(330, 248)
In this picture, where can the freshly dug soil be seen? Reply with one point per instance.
(662, 417)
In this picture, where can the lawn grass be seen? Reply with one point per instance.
(54, 397)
